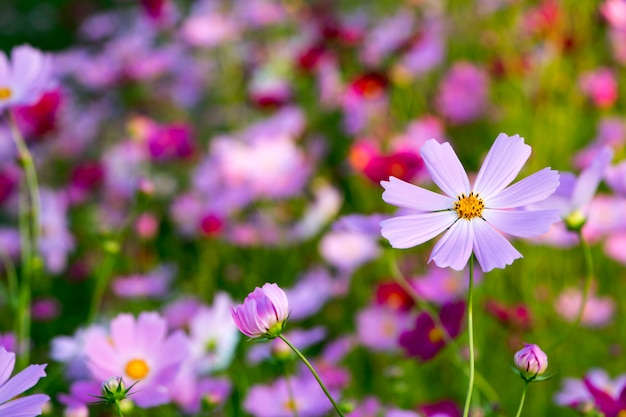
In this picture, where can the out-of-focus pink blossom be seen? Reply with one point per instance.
(600, 86)
(598, 311)
(463, 93)
(25, 77)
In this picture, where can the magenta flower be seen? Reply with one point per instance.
(531, 361)
(25, 78)
(264, 312)
(474, 218)
(27, 406)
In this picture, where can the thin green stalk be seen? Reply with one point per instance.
(308, 365)
(30, 206)
(585, 296)
(102, 280)
(481, 383)
(470, 336)
(521, 401)
(12, 284)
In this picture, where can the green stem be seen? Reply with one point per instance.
(481, 383)
(118, 408)
(521, 401)
(9, 269)
(585, 296)
(102, 280)
(308, 365)
(30, 207)
(470, 336)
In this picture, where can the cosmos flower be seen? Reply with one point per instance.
(473, 218)
(264, 312)
(25, 78)
(139, 350)
(27, 406)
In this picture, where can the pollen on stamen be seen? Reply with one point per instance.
(469, 206)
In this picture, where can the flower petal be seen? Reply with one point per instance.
(455, 247)
(445, 168)
(7, 362)
(531, 189)
(522, 223)
(408, 231)
(403, 194)
(589, 179)
(27, 406)
(21, 382)
(492, 250)
(504, 161)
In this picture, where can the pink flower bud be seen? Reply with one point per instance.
(531, 361)
(263, 313)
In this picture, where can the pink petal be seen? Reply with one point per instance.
(445, 168)
(455, 247)
(408, 231)
(151, 331)
(522, 223)
(504, 161)
(492, 250)
(27, 406)
(123, 333)
(531, 189)
(402, 194)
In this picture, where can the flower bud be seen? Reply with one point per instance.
(114, 389)
(264, 312)
(531, 361)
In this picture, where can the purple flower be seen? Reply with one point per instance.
(425, 340)
(25, 78)
(264, 312)
(463, 93)
(597, 388)
(473, 217)
(27, 406)
(531, 361)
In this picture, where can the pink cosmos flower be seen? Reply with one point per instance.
(27, 406)
(139, 350)
(25, 78)
(264, 312)
(473, 218)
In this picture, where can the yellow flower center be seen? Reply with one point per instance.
(137, 369)
(622, 413)
(5, 93)
(469, 206)
(290, 405)
(435, 335)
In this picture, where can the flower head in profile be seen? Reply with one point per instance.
(264, 312)
(25, 78)
(473, 217)
(26, 406)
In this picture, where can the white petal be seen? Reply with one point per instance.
(445, 168)
(531, 189)
(492, 250)
(522, 223)
(455, 247)
(408, 231)
(504, 161)
(402, 194)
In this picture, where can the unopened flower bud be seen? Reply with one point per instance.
(264, 312)
(531, 361)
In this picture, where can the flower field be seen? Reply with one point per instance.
(311, 208)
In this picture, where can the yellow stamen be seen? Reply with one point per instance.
(5, 93)
(137, 369)
(290, 405)
(435, 335)
(469, 206)
(622, 413)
